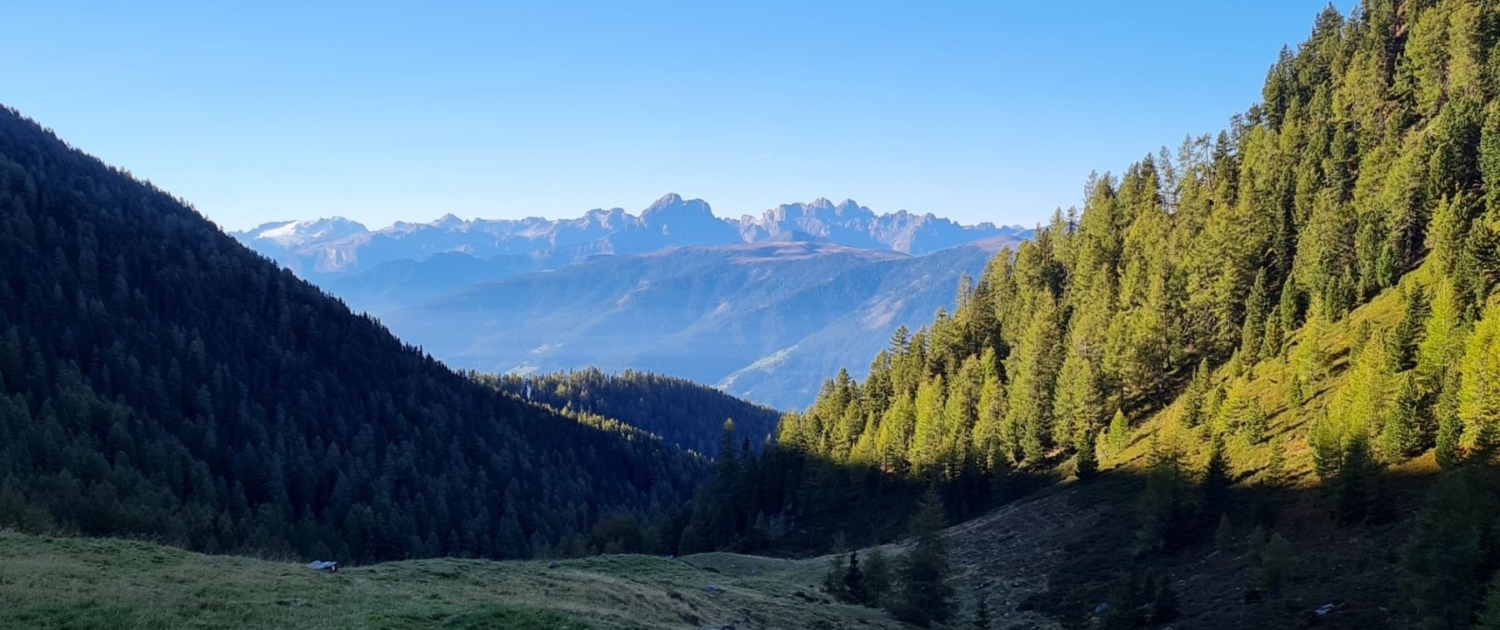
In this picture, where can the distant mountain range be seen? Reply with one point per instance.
(765, 308)
(338, 246)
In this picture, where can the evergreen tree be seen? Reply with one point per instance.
(1403, 433)
(1444, 559)
(854, 580)
(1255, 425)
(1119, 432)
(926, 595)
(1215, 487)
(1403, 339)
(1224, 534)
(1442, 339)
(1257, 303)
(1353, 485)
(1034, 376)
(1276, 475)
(838, 569)
(1195, 396)
(1165, 510)
(1450, 427)
(877, 577)
(1085, 461)
(1479, 392)
(1278, 563)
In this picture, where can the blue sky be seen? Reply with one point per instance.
(378, 111)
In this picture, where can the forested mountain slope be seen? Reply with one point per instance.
(1202, 304)
(159, 379)
(680, 411)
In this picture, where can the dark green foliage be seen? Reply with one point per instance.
(1489, 619)
(680, 411)
(854, 581)
(1167, 507)
(161, 380)
(1452, 549)
(1085, 460)
(838, 571)
(877, 577)
(1402, 341)
(1214, 489)
(925, 595)
(1224, 534)
(1122, 612)
(1277, 564)
(1405, 432)
(1354, 483)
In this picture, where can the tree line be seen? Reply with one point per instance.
(680, 411)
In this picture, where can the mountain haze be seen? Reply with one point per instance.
(339, 247)
(767, 321)
(802, 290)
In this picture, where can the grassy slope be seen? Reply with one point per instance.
(1352, 566)
(100, 583)
(1289, 425)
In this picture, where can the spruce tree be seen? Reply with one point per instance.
(1164, 514)
(854, 580)
(1402, 436)
(1276, 475)
(877, 577)
(1224, 534)
(1354, 483)
(1255, 424)
(1215, 487)
(1403, 339)
(1194, 397)
(1278, 563)
(926, 595)
(1450, 427)
(1252, 333)
(1085, 459)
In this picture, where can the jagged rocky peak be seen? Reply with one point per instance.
(850, 209)
(673, 206)
(448, 221)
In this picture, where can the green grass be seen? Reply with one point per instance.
(83, 584)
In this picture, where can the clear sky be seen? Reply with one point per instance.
(377, 111)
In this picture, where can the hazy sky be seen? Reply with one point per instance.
(378, 111)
